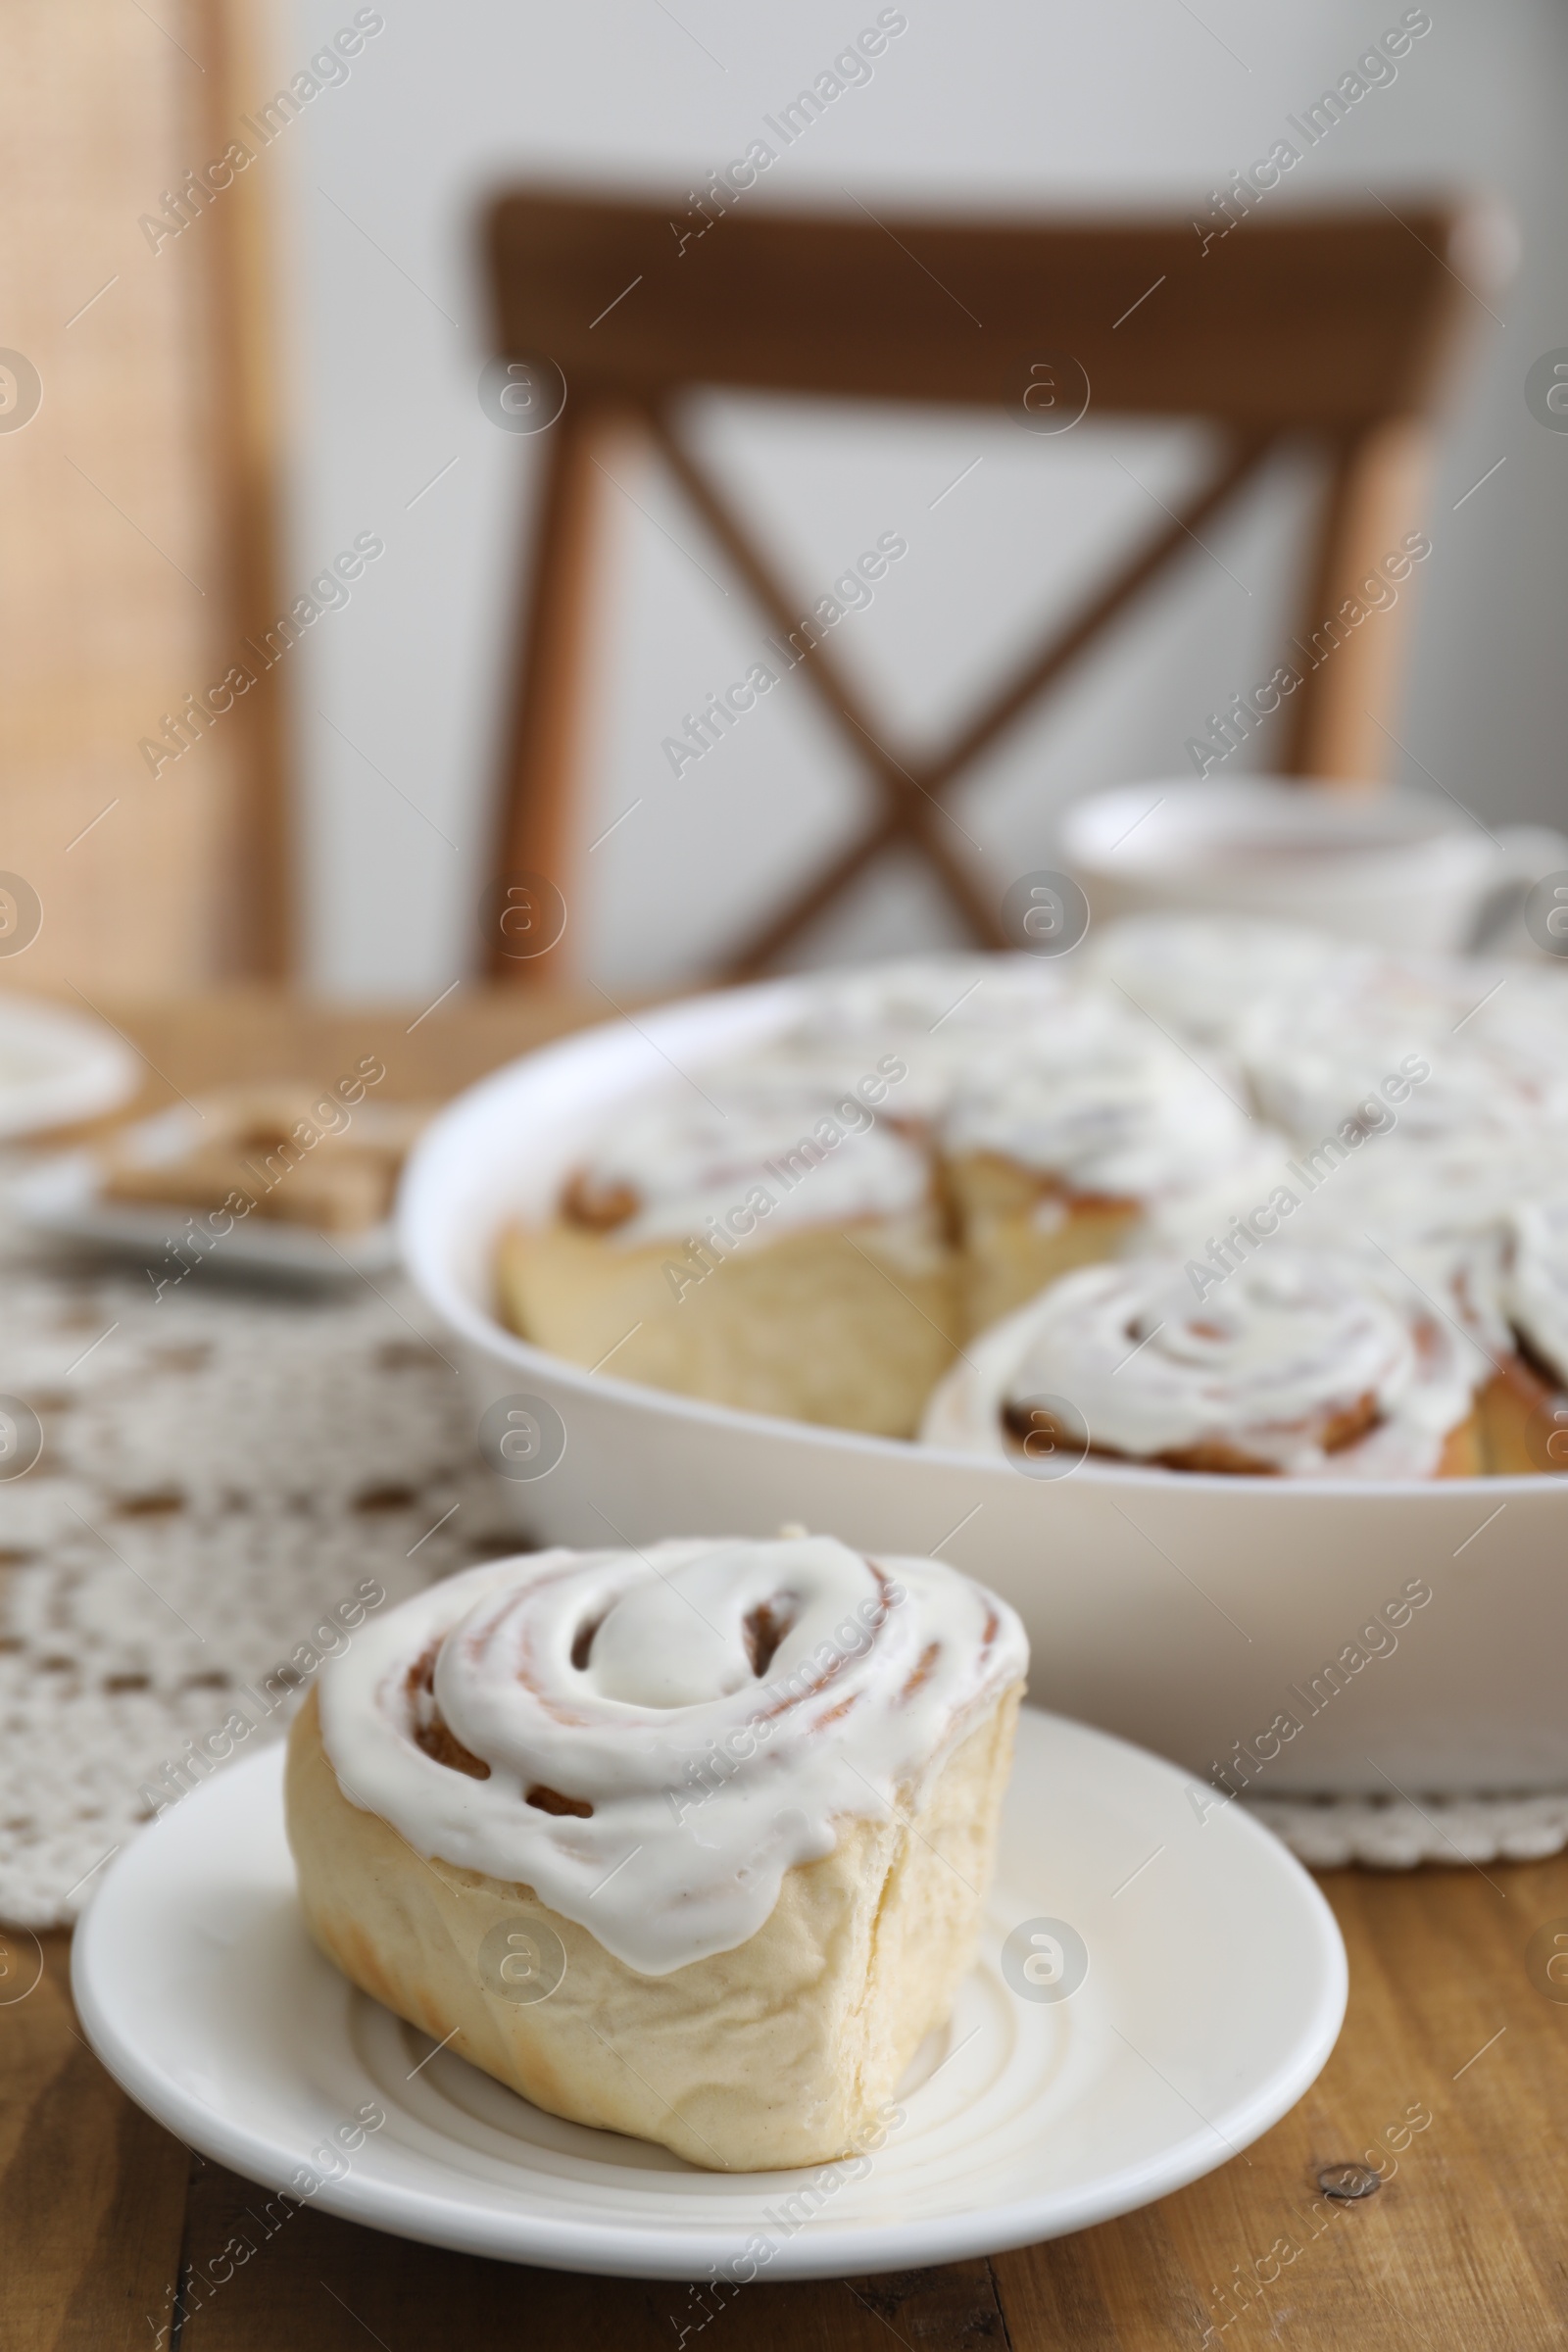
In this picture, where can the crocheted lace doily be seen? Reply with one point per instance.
(221, 1468)
(1325, 1833)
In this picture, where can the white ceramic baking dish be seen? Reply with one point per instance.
(1199, 1616)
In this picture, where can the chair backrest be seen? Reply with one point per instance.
(1329, 327)
(145, 799)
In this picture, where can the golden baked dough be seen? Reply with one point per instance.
(1020, 1230)
(779, 2052)
(849, 1326)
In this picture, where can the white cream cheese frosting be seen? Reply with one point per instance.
(1319, 1061)
(1205, 975)
(686, 1155)
(1436, 1210)
(1191, 1064)
(1522, 1006)
(1100, 1100)
(1317, 1023)
(1292, 1343)
(708, 1710)
(932, 1012)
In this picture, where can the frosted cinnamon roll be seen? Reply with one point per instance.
(753, 1240)
(737, 1802)
(1436, 1209)
(1061, 1145)
(1421, 1044)
(1524, 1008)
(1205, 975)
(934, 1013)
(1300, 1364)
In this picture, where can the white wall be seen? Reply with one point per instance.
(981, 105)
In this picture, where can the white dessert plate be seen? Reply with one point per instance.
(64, 1195)
(57, 1066)
(1214, 1990)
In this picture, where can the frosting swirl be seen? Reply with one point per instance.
(683, 1158)
(1206, 974)
(1098, 1100)
(1438, 1211)
(1300, 1364)
(931, 1011)
(651, 1739)
(1317, 1061)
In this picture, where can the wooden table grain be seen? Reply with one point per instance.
(1450, 2077)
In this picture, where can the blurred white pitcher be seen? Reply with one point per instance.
(1379, 861)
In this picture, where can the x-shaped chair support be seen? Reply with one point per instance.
(914, 790)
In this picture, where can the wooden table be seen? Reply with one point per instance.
(109, 2227)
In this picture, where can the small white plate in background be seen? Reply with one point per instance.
(64, 1195)
(57, 1066)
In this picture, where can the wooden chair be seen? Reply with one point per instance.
(1328, 326)
(139, 548)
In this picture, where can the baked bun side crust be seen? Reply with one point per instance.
(1019, 1234)
(1464, 1448)
(1508, 1406)
(778, 2053)
(851, 1327)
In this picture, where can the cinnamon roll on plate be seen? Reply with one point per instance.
(1301, 1363)
(689, 1844)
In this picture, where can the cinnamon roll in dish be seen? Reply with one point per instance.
(688, 1844)
(1205, 975)
(1437, 1037)
(758, 1241)
(1303, 1364)
(1444, 1213)
(934, 1013)
(1064, 1143)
